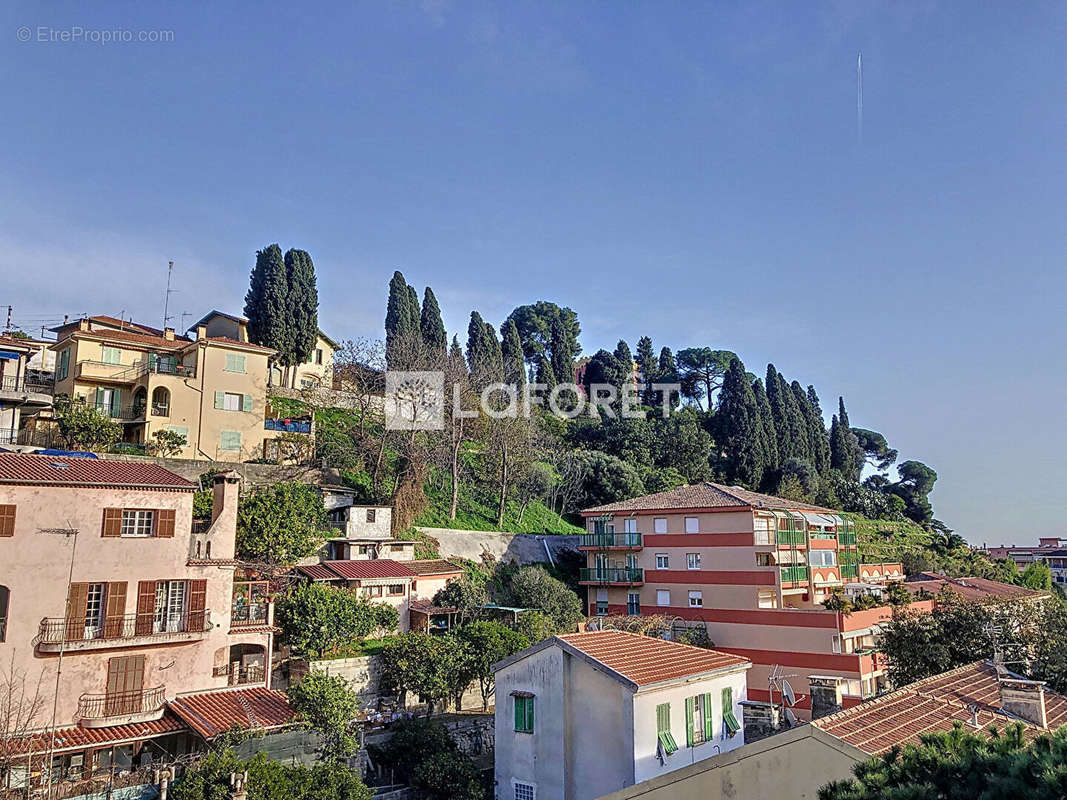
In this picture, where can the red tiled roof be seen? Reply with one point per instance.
(78, 738)
(36, 470)
(317, 572)
(427, 607)
(974, 588)
(148, 340)
(212, 713)
(371, 568)
(20, 343)
(933, 704)
(646, 660)
(237, 343)
(703, 495)
(433, 566)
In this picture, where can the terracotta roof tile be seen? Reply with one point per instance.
(645, 660)
(78, 738)
(370, 568)
(238, 343)
(37, 470)
(432, 566)
(212, 713)
(148, 340)
(974, 588)
(703, 495)
(933, 704)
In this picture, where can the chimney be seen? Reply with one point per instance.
(201, 332)
(168, 334)
(826, 695)
(1024, 699)
(83, 324)
(759, 720)
(224, 494)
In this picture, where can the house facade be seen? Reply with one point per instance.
(115, 607)
(211, 388)
(25, 390)
(585, 714)
(751, 568)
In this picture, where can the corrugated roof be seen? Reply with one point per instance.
(703, 495)
(934, 704)
(646, 660)
(38, 470)
(317, 572)
(974, 588)
(371, 568)
(212, 713)
(432, 566)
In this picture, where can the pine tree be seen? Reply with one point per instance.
(545, 375)
(646, 360)
(563, 351)
(401, 318)
(511, 350)
(266, 304)
(768, 434)
(432, 327)
(303, 308)
(739, 428)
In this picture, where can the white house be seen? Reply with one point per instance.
(585, 714)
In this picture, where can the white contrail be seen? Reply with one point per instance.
(859, 96)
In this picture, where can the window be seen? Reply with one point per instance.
(630, 525)
(137, 522)
(231, 402)
(364, 549)
(699, 725)
(663, 561)
(170, 606)
(235, 362)
(730, 724)
(7, 520)
(372, 591)
(160, 402)
(181, 430)
(660, 525)
(601, 602)
(822, 558)
(767, 598)
(763, 560)
(230, 440)
(667, 745)
(63, 365)
(396, 548)
(663, 597)
(692, 560)
(371, 514)
(110, 355)
(318, 355)
(525, 791)
(396, 588)
(5, 597)
(696, 599)
(762, 528)
(633, 604)
(524, 712)
(692, 525)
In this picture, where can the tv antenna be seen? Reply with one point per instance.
(780, 681)
(166, 298)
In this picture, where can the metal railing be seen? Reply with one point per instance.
(292, 426)
(54, 630)
(612, 575)
(132, 411)
(120, 704)
(249, 614)
(794, 574)
(253, 673)
(23, 384)
(166, 368)
(610, 540)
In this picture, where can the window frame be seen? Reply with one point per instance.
(633, 607)
(525, 716)
(656, 525)
(666, 559)
(391, 593)
(659, 594)
(137, 524)
(695, 527)
(692, 561)
(107, 350)
(698, 595)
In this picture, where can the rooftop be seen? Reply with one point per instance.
(972, 588)
(433, 566)
(37, 470)
(645, 660)
(367, 569)
(212, 713)
(933, 704)
(703, 495)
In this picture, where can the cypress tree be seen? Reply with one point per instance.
(496, 353)
(846, 455)
(432, 327)
(646, 359)
(456, 353)
(414, 315)
(563, 352)
(625, 357)
(266, 304)
(303, 308)
(779, 412)
(768, 433)
(400, 322)
(667, 373)
(478, 349)
(545, 375)
(813, 398)
(796, 428)
(511, 350)
(818, 444)
(740, 429)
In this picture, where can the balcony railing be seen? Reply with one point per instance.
(56, 631)
(609, 540)
(794, 574)
(164, 367)
(290, 426)
(128, 412)
(101, 707)
(611, 575)
(120, 373)
(248, 614)
(28, 385)
(846, 537)
(791, 537)
(253, 673)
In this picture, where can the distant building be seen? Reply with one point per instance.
(581, 715)
(25, 390)
(970, 588)
(752, 569)
(1050, 549)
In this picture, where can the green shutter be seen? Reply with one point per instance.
(220, 399)
(727, 699)
(529, 714)
(709, 718)
(690, 707)
(98, 399)
(116, 402)
(663, 718)
(519, 716)
(246, 403)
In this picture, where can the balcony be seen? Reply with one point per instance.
(612, 576)
(164, 367)
(121, 708)
(792, 537)
(127, 413)
(132, 630)
(846, 537)
(239, 676)
(794, 574)
(12, 388)
(115, 373)
(287, 425)
(249, 615)
(609, 541)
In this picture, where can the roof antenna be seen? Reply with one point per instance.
(166, 298)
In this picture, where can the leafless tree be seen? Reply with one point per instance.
(22, 707)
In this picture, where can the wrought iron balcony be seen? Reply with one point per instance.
(26, 385)
(121, 708)
(125, 631)
(248, 615)
(238, 676)
(626, 576)
(610, 541)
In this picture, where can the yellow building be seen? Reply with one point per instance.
(210, 387)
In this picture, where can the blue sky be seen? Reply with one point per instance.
(693, 172)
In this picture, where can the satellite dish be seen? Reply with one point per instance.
(790, 717)
(787, 693)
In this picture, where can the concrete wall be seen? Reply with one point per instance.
(522, 548)
(792, 765)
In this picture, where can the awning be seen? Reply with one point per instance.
(822, 520)
(9, 354)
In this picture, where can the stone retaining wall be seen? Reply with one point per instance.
(521, 548)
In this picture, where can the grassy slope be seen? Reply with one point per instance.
(475, 514)
(881, 540)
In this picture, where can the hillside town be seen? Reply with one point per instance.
(202, 575)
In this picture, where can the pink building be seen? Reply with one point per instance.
(120, 612)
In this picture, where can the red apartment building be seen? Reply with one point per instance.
(754, 569)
